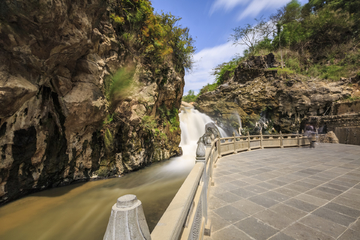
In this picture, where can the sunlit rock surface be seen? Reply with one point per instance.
(54, 59)
(256, 88)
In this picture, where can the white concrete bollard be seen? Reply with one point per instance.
(127, 220)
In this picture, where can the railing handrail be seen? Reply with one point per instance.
(172, 221)
(187, 213)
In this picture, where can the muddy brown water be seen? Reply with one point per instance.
(81, 211)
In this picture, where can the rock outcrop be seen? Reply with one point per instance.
(55, 124)
(259, 88)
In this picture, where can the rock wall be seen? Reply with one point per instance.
(55, 124)
(258, 89)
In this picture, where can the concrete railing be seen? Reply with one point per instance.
(186, 218)
(237, 144)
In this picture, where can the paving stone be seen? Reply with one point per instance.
(290, 212)
(342, 183)
(329, 190)
(243, 193)
(240, 183)
(227, 186)
(321, 194)
(302, 232)
(311, 199)
(227, 197)
(217, 222)
(215, 203)
(273, 219)
(281, 236)
(354, 191)
(223, 179)
(247, 206)
(255, 228)
(310, 171)
(334, 186)
(230, 214)
(286, 191)
(347, 202)
(305, 184)
(323, 184)
(251, 181)
(334, 216)
(350, 235)
(356, 225)
(230, 233)
(276, 196)
(277, 182)
(352, 196)
(267, 186)
(343, 210)
(328, 227)
(312, 181)
(263, 201)
(298, 188)
(255, 189)
(304, 206)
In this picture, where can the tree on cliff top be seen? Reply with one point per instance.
(253, 35)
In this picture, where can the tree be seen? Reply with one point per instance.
(190, 97)
(252, 35)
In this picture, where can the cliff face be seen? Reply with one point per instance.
(55, 124)
(259, 88)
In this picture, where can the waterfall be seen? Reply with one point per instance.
(192, 124)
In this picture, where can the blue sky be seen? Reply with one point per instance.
(211, 22)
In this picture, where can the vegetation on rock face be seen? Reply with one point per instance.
(158, 43)
(190, 97)
(319, 39)
(155, 36)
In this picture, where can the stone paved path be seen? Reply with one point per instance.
(292, 193)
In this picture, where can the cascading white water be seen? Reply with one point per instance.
(239, 121)
(192, 124)
(154, 184)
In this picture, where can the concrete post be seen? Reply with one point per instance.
(248, 139)
(218, 146)
(281, 140)
(298, 138)
(127, 220)
(234, 140)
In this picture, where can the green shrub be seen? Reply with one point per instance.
(190, 97)
(208, 88)
(120, 85)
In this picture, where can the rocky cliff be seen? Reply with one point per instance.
(259, 88)
(56, 122)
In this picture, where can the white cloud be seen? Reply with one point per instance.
(252, 8)
(226, 4)
(206, 60)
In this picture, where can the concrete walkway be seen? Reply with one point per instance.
(291, 193)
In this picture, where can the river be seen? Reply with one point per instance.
(81, 211)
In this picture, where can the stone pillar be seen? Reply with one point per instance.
(127, 220)
(234, 140)
(281, 140)
(298, 138)
(218, 147)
